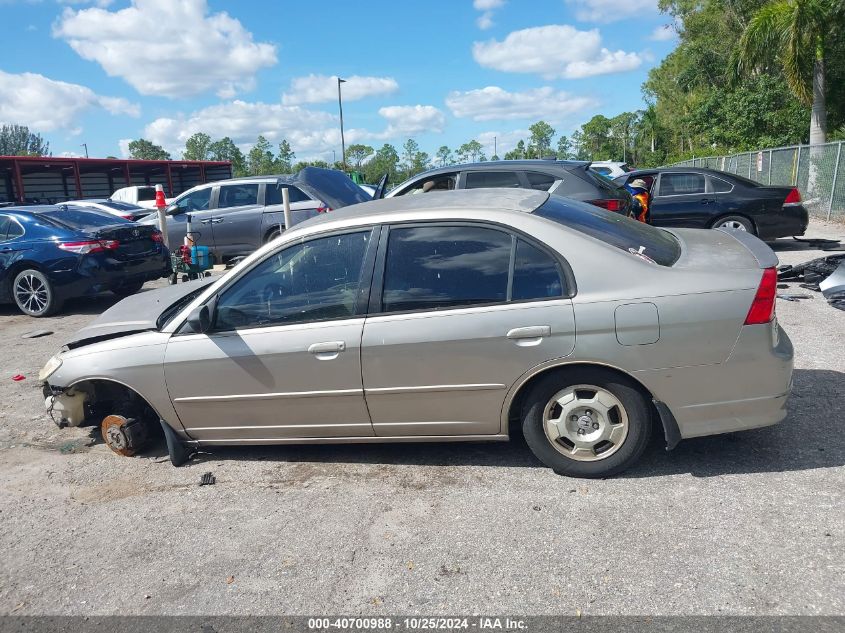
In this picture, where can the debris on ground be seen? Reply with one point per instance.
(18, 377)
(37, 334)
(207, 480)
(230, 580)
(816, 242)
(811, 272)
(833, 287)
(787, 297)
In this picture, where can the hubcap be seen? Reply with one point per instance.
(733, 224)
(585, 423)
(31, 293)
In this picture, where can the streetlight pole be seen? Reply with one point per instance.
(495, 147)
(340, 108)
(85, 145)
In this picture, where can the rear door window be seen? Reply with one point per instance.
(720, 186)
(240, 195)
(436, 267)
(536, 274)
(498, 179)
(273, 195)
(14, 230)
(681, 184)
(540, 182)
(4, 224)
(613, 228)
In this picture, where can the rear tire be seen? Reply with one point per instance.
(272, 235)
(33, 294)
(736, 222)
(586, 422)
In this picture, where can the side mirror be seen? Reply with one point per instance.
(202, 318)
(173, 210)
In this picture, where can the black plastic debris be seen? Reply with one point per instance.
(818, 242)
(811, 272)
(788, 297)
(37, 334)
(207, 480)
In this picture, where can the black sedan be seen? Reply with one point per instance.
(49, 254)
(706, 198)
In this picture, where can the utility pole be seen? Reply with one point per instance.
(495, 147)
(340, 108)
(85, 145)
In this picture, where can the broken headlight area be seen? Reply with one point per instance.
(50, 368)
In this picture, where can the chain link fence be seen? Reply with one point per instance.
(817, 170)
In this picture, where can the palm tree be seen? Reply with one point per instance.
(797, 35)
(648, 122)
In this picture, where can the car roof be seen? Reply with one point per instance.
(504, 164)
(694, 170)
(471, 201)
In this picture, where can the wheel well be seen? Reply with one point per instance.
(515, 410)
(106, 397)
(12, 272)
(740, 215)
(269, 232)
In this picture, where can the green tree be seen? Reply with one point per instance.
(541, 137)
(798, 36)
(142, 149)
(197, 146)
(470, 151)
(649, 125)
(385, 161)
(17, 140)
(286, 157)
(623, 130)
(260, 160)
(517, 152)
(226, 150)
(357, 153)
(444, 155)
(564, 148)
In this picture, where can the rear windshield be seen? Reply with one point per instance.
(601, 181)
(121, 206)
(76, 218)
(612, 228)
(146, 193)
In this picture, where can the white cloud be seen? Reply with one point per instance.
(662, 33)
(410, 120)
(604, 11)
(485, 20)
(554, 51)
(322, 88)
(167, 48)
(309, 132)
(500, 143)
(46, 105)
(494, 103)
(487, 5)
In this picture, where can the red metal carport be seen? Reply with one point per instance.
(47, 179)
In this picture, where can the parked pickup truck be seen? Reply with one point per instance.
(142, 195)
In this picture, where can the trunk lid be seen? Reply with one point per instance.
(331, 186)
(134, 240)
(722, 250)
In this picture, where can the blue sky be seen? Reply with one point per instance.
(442, 72)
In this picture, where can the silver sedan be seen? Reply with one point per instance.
(457, 317)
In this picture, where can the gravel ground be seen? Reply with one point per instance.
(750, 523)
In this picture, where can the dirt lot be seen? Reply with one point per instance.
(750, 523)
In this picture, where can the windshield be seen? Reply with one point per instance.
(146, 193)
(77, 218)
(121, 206)
(612, 228)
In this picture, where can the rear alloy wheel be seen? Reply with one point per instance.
(272, 235)
(587, 423)
(127, 289)
(736, 222)
(33, 293)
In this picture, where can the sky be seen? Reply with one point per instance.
(443, 72)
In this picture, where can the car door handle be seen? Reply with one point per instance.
(327, 350)
(532, 334)
(707, 200)
(206, 221)
(216, 220)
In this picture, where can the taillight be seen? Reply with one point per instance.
(611, 204)
(763, 307)
(323, 209)
(89, 246)
(157, 237)
(127, 217)
(794, 197)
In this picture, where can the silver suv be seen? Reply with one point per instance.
(236, 216)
